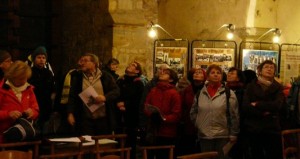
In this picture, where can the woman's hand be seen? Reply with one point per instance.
(15, 114)
(29, 113)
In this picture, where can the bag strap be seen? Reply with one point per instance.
(228, 115)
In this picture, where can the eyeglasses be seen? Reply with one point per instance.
(7, 61)
(84, 60)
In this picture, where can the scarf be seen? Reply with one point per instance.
(264, 83)
(18, 90)
(213, 88)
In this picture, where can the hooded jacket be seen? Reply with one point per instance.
(9, 102)
(167, 99)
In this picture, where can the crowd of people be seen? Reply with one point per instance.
(237, 115)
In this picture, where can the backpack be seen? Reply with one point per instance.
(22, 130)
(228, 115)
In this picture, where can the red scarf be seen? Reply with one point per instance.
(213, 88)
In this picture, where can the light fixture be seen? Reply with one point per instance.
(276, 35)
(152, 32)
(230, 29)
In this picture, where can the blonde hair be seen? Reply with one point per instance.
(17, 69)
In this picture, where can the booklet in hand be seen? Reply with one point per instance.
(154, 109)
(88, 97)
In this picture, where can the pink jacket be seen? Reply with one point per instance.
(168, 100)
(9, 102)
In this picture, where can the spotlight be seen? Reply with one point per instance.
(229, 35)
(276, 35)
(152, 32)
(230, 31)
(276, 39)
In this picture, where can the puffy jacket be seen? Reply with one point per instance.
(9, 102)
(209, 114)
(167, 99)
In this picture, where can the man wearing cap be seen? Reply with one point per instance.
(5, 62)
(43, 81)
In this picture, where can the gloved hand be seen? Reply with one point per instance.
(156, 118)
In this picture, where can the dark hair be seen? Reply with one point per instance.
(138, 67)
(4, 55)
(173, 75)
(213, 66)
(112, 61)
(239, 73)
(192, 71)
(260, 66)
(249, 76)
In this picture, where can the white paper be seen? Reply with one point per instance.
(87, 96)
(68, 139)
(87, 140)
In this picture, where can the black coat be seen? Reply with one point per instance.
(131, 89)
(111, 93)
(264, 117)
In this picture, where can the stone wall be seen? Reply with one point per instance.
(108, 28)
(130, 41)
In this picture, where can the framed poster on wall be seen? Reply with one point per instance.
(203, 57)
(290, 65)
(175, 57)
(252, 58)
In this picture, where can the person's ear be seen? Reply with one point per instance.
(171, 80)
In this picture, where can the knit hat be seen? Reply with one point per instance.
(4, 55)
(41, 50)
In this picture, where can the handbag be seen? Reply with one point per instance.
(22, 130)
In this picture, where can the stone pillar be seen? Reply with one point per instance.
(130, 40)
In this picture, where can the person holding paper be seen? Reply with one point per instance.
(102, 87)
(131, 88)
(217, 122)
(163, 122)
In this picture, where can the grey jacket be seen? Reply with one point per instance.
(209, 114)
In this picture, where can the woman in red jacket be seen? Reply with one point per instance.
(163, 107)
(16, 96)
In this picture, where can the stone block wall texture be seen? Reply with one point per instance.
(118, 28)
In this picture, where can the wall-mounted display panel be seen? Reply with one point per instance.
(172, 52)
(175, 57)
(203, 57)
(290, 63)
(252, 58)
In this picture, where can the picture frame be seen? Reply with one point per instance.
(203, 57)
(252, 58)
(175, 57)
